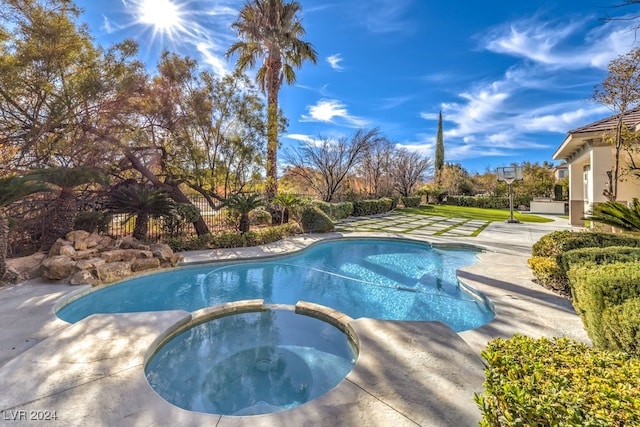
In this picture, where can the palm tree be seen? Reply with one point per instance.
(65, 207)
(617, 215)
(141, 201)
(270, 30)
(12, 189)
(286, 201)
(244, 204)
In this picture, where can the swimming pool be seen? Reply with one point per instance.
(378, 278)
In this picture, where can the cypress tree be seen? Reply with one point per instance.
(439, 161)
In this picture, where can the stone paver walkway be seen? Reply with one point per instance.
(402, 223)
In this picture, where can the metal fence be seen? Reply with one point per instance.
(27, 221)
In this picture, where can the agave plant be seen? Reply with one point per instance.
(617, 215)
(12, 189)
(65, 208)
(243, 204)
(141, 201)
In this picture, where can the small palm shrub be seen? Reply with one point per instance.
(142, 202)
(242, 204)
(617, 215)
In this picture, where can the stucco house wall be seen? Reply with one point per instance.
(589, 158)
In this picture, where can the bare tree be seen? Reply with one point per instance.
(408, 169)
(375, 168)
(324, 164)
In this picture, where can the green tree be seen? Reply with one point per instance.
(201, 131)
(143, 202)
(537, 180)
(243, 204)
(455, 180)
(64, 210)
(620, 91)
(56, 87)
(270, 30)
(12, 189)
(439, 160)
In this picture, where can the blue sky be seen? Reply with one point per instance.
(510, 77)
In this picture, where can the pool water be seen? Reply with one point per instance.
(251, 363)
(376, 278)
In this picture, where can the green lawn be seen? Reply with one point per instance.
(472, 213)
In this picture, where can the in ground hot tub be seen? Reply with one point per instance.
(268, 359)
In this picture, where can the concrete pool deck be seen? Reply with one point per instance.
(408, 373)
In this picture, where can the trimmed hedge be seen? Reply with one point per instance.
(372, 207)
(232, 239)
(558, 382)
(595, 289)
(606, 255)
(314, 220)
(547, 261)
(487, 202)
(335, 211)
(621, 326)
(412, 201)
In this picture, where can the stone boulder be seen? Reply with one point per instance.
(84, 277)
(142, 264)
(89, 258)
(113, 271)
(57, 267)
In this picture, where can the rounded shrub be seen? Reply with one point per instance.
(313, 220)
(621, 326)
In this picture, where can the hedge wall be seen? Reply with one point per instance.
(548, 252)
(372, 207)
(487, 202)
(597, 288)
(335, 211)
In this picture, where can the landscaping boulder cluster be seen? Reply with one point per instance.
(89, 258)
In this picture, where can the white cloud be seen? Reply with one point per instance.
(549, 42)
(108, 26)
(327, 110)
(334, 61)
(218, 63)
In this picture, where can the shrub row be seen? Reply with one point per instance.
(558, 382)
(549, 266)
(602, 295)
(335, 211)
(487, 202)
(412, 201)
(373, 207)
(232, 239)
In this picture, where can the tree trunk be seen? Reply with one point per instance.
(140, 229)
(61, 219)
(243, 227)
(273, 87)
(4, 244)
